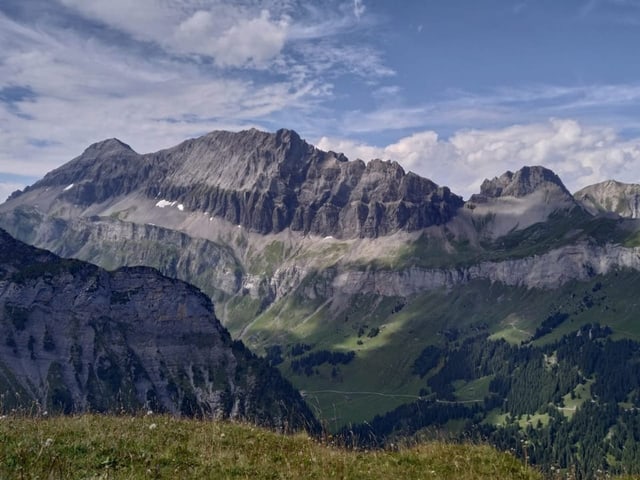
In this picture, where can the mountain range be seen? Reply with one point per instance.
(342, 272)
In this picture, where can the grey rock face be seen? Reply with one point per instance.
(77, 338)
(264, 182)
(615, 197)
(519, 184)
(549, 271)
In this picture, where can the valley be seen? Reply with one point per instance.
(362, 283)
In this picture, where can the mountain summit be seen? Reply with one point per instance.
(266, 182)
(616, 197)
(524, 182)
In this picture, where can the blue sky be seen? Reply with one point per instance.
(455, 90)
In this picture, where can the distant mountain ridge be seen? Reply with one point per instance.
(524, 182)
(78, 338)
(610, 196)
(264, 182)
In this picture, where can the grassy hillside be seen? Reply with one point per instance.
(388, 335)
(92, 446)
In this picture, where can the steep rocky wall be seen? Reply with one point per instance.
(265, 182)
(78, 338)
(547, 271)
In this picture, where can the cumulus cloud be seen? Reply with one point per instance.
(233, 34)
(254, 40)
(581, 155)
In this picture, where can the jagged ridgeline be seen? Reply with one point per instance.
(340, 272)
(260, 181)
(78, 338)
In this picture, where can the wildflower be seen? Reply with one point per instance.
(222, 435)
(45, 413)
(48, 442)
(153, 426)
(149, 412)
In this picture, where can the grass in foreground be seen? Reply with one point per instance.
(92, 446)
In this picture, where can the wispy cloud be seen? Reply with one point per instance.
(500, 107)
(156, 72)
(626, 12)
(358, 8)
(232, 34)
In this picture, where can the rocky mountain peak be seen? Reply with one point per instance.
(266, 182)
(108, 146)
(611, 196)
(521, 183)
(389, 168)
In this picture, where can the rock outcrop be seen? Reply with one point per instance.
(549, 271)
(79, 338)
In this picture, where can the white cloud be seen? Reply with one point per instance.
(499, 107)
(358, 8)
(332, 62)
(581, 155)
(233, 34)
(254, 40)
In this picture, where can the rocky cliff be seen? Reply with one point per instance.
(78, 338)
(550, 270)
(262, 181)
(615, 197)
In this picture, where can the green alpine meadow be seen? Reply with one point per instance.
(164, 447)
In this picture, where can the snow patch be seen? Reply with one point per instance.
(165, 203)
(68, 187)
